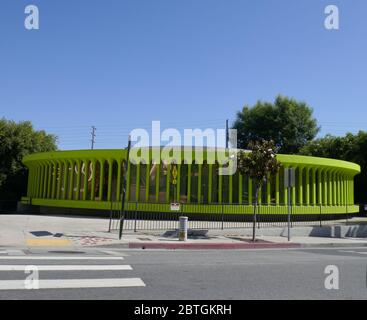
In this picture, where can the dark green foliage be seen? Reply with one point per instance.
(16, 141)
(289, 123)
(349, 148)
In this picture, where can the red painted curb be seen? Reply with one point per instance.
(198, 246)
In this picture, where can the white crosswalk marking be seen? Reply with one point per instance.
(12, 252)
(75, 283)
(351, 251)
(69, 283)
(58, 258)
(67, 267)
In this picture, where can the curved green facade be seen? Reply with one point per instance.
(92, 179)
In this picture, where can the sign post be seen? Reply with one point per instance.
(122, 213)
(289, 182)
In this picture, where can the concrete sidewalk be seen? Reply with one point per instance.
(28, 231)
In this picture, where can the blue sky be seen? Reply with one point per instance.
(119, 64)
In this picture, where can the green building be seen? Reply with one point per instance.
(92, 179)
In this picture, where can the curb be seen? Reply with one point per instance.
(332, 245)
(212, 246)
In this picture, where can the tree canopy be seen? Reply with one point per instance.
(289, 123)
(259, 164)
(16, 141)
(349, 148)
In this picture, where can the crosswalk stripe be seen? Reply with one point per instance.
(15, 252)
(67, 267)
(75, 283)
(3, 252)
(59, 258)
(351, 251)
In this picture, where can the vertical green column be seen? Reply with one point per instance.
(313, 172)
(45, 181)
(342, 188)
(346, 200)
(118, 187)
(334, 188)
(220, 186)
(230, 187)
(337, 188)
(268, 191)
(210, 172)
(339, 191)
(65, 180)
(33, 173)
(85, 178)
(72, 173)
(285, 191)
(58, 175)
(240, 181)
(178, 183)
(109, 186)
(250, 200)
(48, 185)
(157, 182)
(293, 190)
(307, 186)
(30, 181)
(352, 192)
(325, 193)
(319, 177)
(137, 184)
(348, 190)
(199, 183)
(29, 184)
(147, 182)
(78, 178)
(277, 189)
(101, 178)
(259, 196)
(93, 186)
(54, 176)
(49, 181)
(37, 182)
(330, 188)
(300, 186)
(42, 180)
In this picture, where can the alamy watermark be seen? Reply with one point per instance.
(332, 17)
(170, 147)
(31, 21)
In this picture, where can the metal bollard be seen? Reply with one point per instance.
(182, 233)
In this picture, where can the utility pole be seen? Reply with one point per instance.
(93, 133)
(227, 134)
(123, 195)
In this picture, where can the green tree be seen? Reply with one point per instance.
(259, 165)
(289, 123)
(349, 148)
(16, 141)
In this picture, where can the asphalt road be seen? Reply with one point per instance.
(185, 274)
